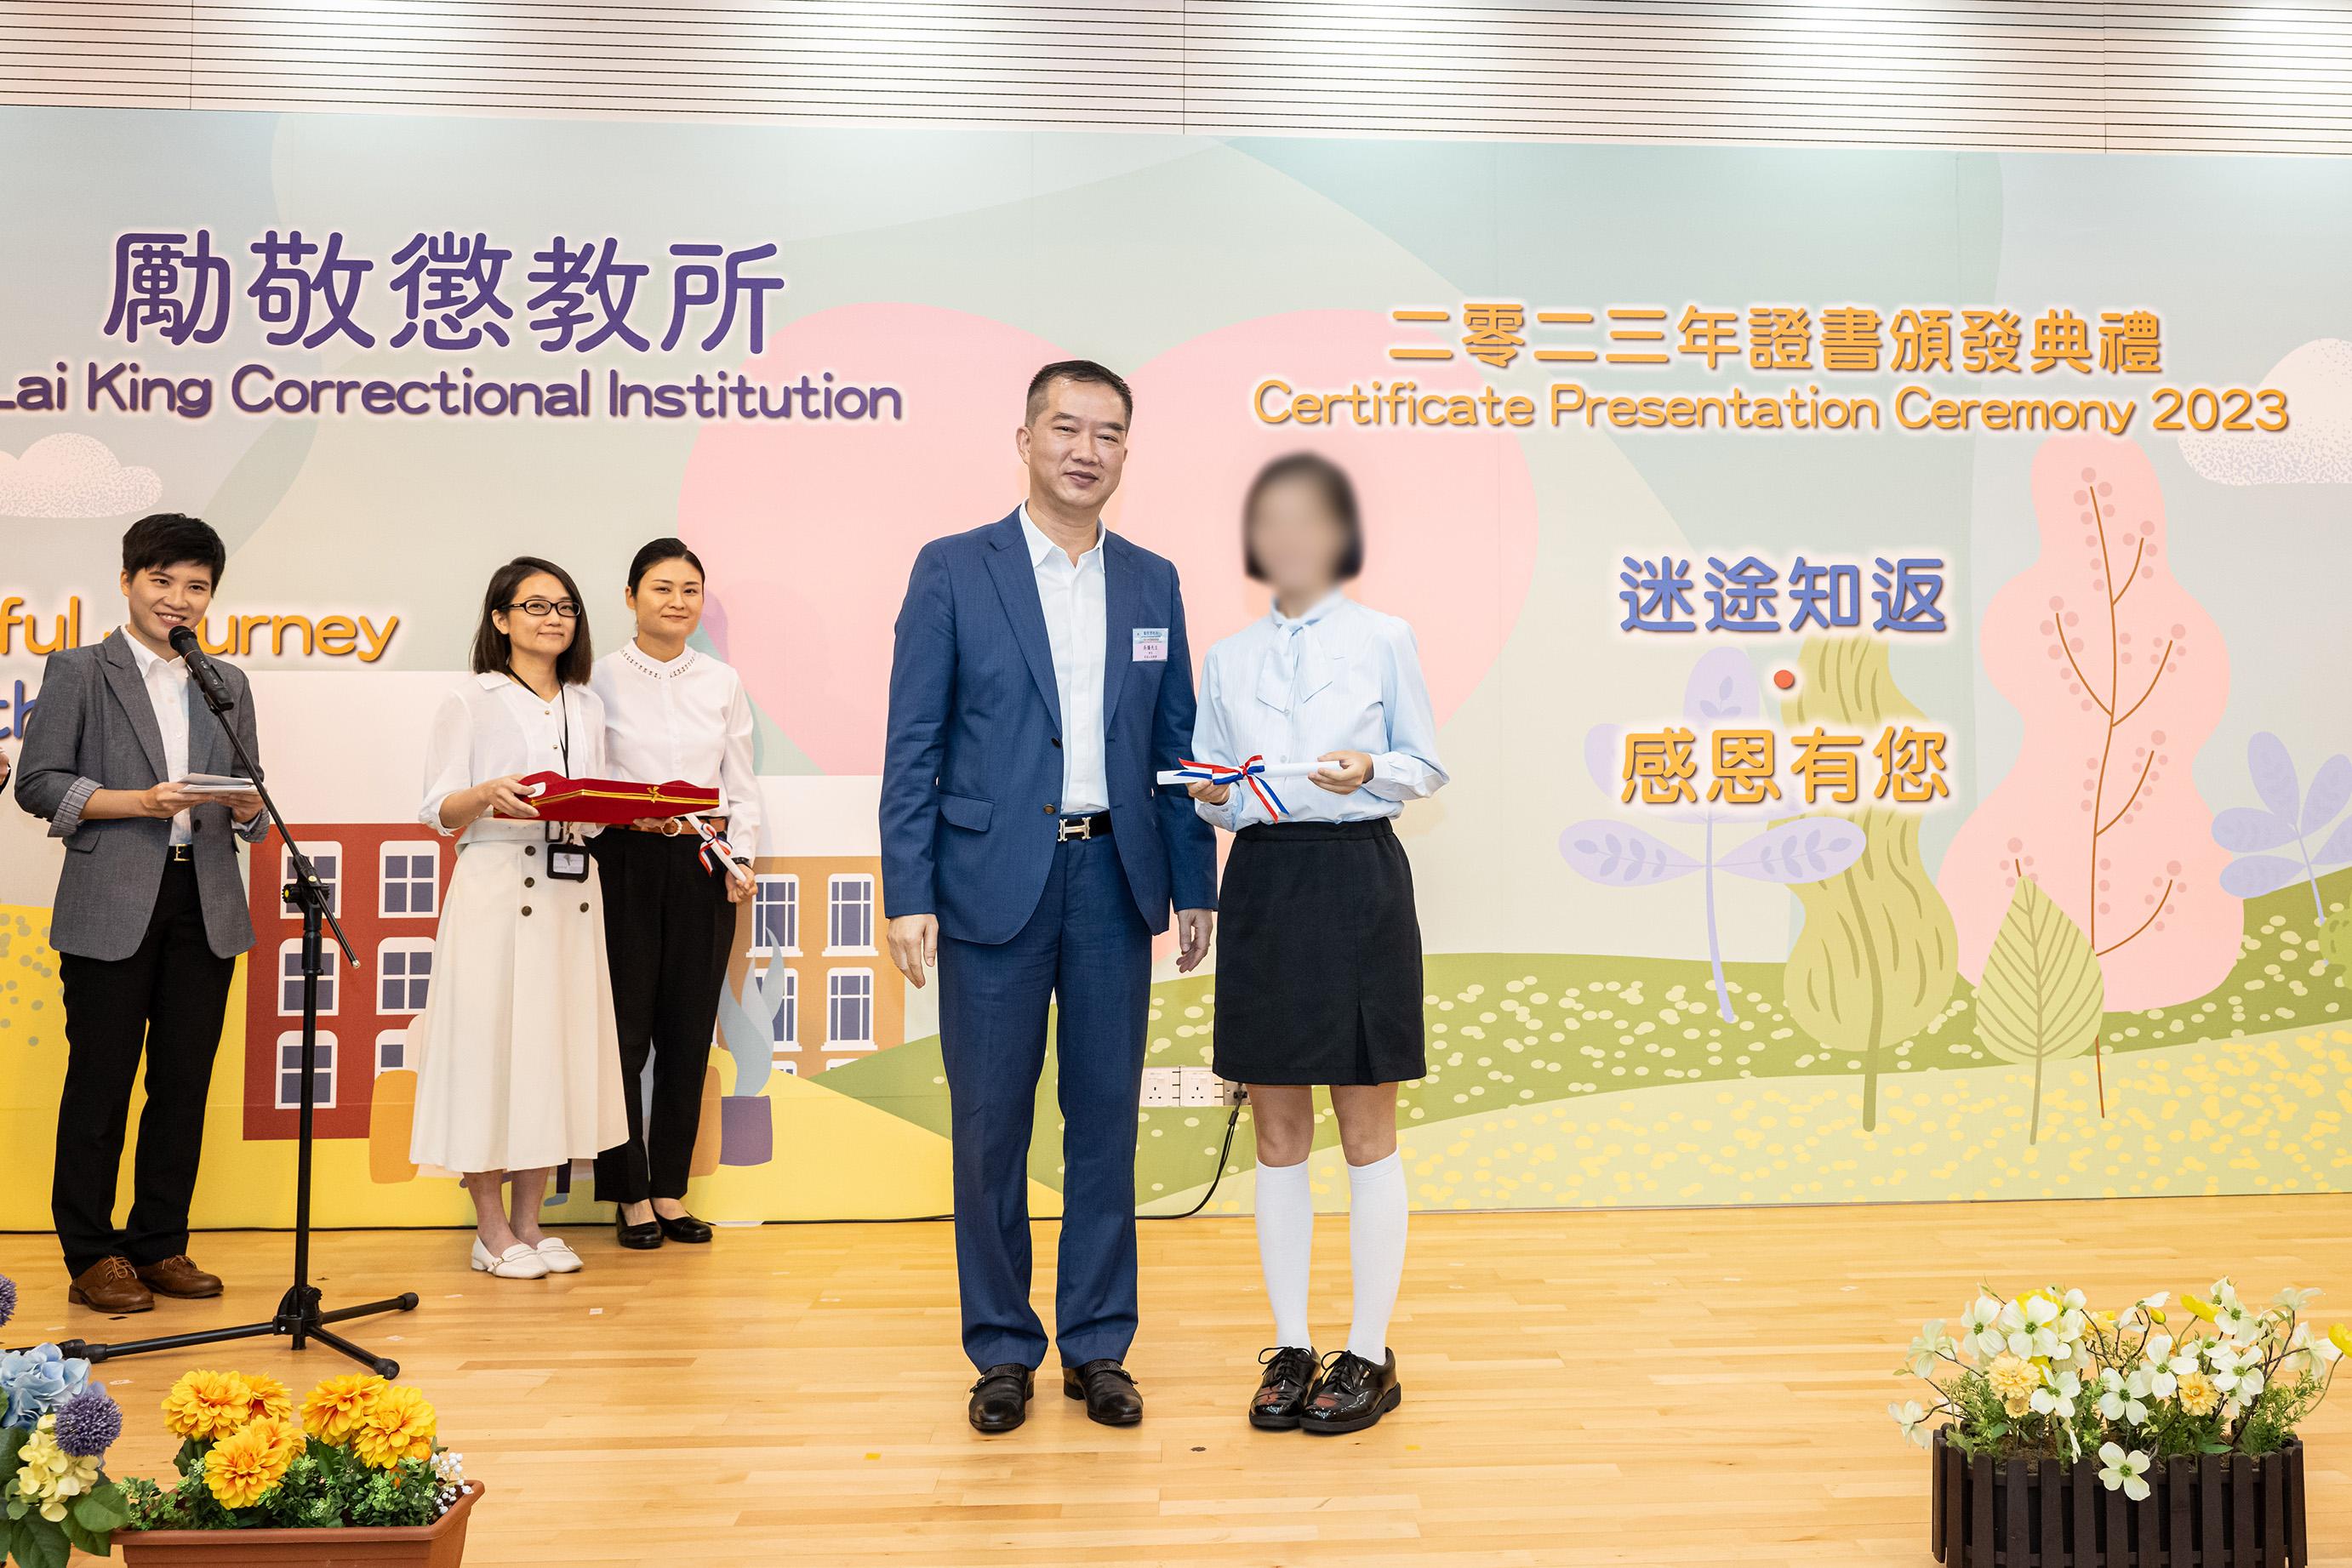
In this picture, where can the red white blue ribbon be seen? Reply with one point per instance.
(716, 853)
(1252, 773)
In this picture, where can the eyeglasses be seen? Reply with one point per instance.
(567, 608)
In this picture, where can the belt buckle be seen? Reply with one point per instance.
(1074, 828)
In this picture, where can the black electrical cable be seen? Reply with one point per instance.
(1241, 1098)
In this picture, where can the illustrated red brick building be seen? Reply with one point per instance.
(388, 882)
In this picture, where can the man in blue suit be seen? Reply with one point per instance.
(1040, 681)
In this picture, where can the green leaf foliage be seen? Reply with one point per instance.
(2041, 994)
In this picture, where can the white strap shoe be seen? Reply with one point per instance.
(557, 1254)
(517, 1263)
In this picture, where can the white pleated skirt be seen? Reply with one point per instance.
(517, 1060)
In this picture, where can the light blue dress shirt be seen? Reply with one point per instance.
(1338, 678)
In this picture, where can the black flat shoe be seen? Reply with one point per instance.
(636, 1238)
(1111, 1396)
(1282, 1392)
(1000, 1400)
(1351, 1395)
(685, 1228)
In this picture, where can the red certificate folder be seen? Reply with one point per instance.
(563, 800)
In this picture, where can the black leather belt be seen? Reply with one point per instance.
(1094, 827)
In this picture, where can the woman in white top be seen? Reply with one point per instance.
(671, 713)
(518, 1067)
(1318, 949)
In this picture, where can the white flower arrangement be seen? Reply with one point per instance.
(2043, 1375)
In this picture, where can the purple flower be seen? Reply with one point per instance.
(89, 1423)
(7, 1299)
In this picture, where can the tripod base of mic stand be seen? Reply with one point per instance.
(299, 1317)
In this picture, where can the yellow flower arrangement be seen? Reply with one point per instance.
(270, 1399)
(50, 1478)
(243, 1467)
(335, 1407)
(207, 1406)
(397, 1425)
(2012, 1378)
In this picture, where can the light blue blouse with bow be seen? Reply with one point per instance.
(1338, 678)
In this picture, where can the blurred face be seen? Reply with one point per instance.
(667, 600)
(1076, 445)
(1297, 538)
(531, 622)
(162, 598)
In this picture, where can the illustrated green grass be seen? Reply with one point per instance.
(1508, 1029)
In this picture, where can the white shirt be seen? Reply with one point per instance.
(167, 692)
(1072, 595)
(491, 727)
(688, 719)
(1340, 678)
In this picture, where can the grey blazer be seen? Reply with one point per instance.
(94, 729)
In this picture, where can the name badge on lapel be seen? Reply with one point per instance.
(1152, 644)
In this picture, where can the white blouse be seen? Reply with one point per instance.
(1342, 677)
(688, 719)
(493, 725)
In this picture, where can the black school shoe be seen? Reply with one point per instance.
(1351, 1395)
(1282, 1392)
(1111, 1396)
(1000, 1400)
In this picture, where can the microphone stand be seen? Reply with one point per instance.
(300, 1314)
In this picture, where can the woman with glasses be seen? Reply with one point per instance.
(671, 712)
(519, 1065)
(1318, 952)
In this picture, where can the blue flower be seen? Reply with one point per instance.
(34, 1381)
(89, 1422)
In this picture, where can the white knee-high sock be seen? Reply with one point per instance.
(1376, 1221)
(1286, 1248)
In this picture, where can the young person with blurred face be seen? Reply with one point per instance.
(1319, 959)
(671, 712)
(150, 912)
(519, 1064)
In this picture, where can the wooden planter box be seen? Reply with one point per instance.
(2215, 1510)
(440, 1544)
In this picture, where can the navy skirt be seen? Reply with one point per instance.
(1319, 956)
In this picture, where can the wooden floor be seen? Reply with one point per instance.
(1702, 1387)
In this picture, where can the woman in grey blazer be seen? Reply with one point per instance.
(150, 913)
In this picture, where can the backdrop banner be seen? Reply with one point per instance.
(1876, 605)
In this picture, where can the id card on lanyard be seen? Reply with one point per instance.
(567, 858)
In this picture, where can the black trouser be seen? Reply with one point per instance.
(667, 931)
(167, 997)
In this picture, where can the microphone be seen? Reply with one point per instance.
(208, 679)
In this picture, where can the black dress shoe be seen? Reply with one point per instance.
(1111, 1396)
(1282, 1392)
(685, 1228)
(1000, 1400)
(636, 1238)
(1352, 1394)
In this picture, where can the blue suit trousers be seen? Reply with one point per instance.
(1086, 947)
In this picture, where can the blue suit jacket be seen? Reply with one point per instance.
(971, 779)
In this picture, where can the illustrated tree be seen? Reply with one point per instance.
(2042, 995)
(2119, 676)
(1875, 961)
(1722, 690)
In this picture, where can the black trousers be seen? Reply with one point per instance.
(668, 929)
(166, 998)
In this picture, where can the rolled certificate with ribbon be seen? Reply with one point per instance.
(1250, 773)
(716, 853)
